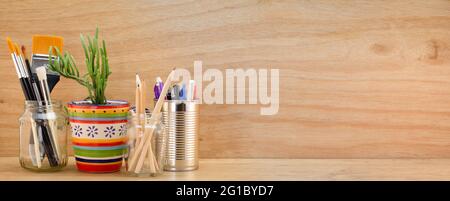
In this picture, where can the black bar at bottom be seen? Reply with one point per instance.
(229, 190)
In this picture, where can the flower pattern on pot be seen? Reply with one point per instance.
(122, 130)
(109, 131)
(92, 131)
(77, 130)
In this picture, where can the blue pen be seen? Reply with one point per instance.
(183, 92)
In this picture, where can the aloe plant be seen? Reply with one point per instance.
(96, 60)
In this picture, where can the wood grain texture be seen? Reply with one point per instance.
(259, 170)
(359, 79)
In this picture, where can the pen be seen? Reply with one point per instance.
(183, 92)
(175, 92)
(158, 87)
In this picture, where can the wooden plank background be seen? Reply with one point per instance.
(359, 79)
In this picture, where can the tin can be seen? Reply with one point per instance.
(180, 117)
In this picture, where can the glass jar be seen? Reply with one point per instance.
(43, 141)
(148, 160)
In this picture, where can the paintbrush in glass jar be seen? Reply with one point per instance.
(20, 69)
(49, 128)
(24, 78)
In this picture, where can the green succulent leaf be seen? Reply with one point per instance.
(96, 61)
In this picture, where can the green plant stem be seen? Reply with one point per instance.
(96, 60)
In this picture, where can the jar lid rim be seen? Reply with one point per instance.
(54, 103)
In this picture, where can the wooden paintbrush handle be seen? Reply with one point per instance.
(37, 151)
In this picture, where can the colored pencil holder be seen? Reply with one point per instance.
(153, 164)
(99, 135)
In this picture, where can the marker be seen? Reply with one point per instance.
(158, 87)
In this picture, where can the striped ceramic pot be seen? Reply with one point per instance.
(99, 134)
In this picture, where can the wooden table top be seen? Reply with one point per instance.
(261, 169)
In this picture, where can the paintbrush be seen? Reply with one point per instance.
(33, 82)
(50, 138)
(26, 75)
(19, 64)
(40, 56)
(37, 95)
(20, 70)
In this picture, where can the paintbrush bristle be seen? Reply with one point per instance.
(10, 45)
(17, 49)
(41, 73)
(23, 51)
(42, 43)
